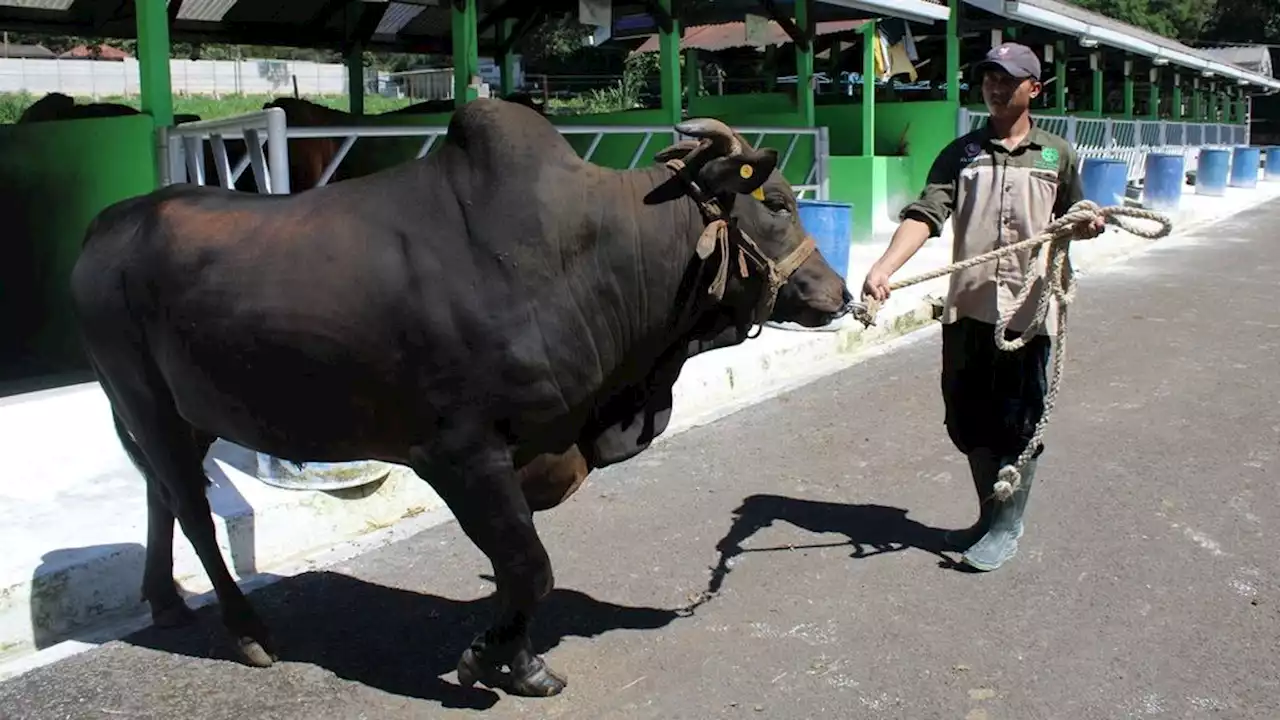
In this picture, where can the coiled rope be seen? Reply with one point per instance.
(1060, 284)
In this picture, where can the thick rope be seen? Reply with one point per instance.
(1060, 285)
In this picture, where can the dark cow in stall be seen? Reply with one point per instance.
(463, 314)
(57, 106)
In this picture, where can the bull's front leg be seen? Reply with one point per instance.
(482, 490)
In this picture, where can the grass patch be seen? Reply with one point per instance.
(12, 105)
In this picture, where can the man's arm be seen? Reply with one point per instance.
(1071, 191)
(920, 221)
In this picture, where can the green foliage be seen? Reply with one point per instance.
(1245, 21)
(1176, 19)
(208, 108)
(623, 95)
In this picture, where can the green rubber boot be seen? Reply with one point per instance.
(984, 470)
(1000, 543)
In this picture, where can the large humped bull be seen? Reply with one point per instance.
(464, 314)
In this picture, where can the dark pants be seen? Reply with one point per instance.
(993, 398)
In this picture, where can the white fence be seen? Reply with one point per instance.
(1128, 140)
(103, 78)
(184, 149)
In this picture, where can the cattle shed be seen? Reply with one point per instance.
(858, 96)
(1109, 87)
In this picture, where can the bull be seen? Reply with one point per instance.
(476, 315)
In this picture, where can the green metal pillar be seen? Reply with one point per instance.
(869, 89)
(355, 79)
(1177, 97)
(466, 51)
(1060, 76)
(153, 60)
(804, 65)
(953, 51)
(1128, 88)
(505, 28)
(692, 78)
(1153, 97)
(1197, 103)
(1095, 63)
(669, 69)
(1213, 102)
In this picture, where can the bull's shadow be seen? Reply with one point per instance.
(395, 640)
(870, 530)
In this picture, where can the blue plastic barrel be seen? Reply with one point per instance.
(1162, 187)
(831, 225)
(1244, 167)
(1104, 180)
(1273, 164)
(1211, 171)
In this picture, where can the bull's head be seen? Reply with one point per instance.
(746, 186)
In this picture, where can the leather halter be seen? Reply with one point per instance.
(722, 232)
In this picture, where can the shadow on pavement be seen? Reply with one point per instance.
(391, 639)
(871, 530)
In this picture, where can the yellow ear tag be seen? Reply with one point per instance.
(746, 171)
(758, 194)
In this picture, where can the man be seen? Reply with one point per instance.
(1000, 185)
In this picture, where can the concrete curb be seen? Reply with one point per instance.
(73, 598)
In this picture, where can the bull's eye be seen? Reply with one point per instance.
(777, 206)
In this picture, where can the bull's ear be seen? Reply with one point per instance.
(740, 174)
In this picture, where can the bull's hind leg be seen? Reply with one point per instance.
(484, 494)
(168, 609)
(172, 455)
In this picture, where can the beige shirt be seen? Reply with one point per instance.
(996, 197)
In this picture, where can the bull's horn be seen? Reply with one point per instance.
(722, 136)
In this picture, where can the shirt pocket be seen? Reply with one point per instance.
(1042, 195)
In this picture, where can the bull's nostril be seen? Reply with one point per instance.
(846, 297)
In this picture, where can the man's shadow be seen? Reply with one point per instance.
(871, 530)
(395, 640)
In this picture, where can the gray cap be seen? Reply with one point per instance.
(1017, 60)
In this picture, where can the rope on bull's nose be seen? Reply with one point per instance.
(1060, 285)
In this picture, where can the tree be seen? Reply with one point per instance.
(1174, 19)
(1251, 21)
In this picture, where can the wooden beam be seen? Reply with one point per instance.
(507, 9)
(666, 20)
(361, 31)
(327, 13)
(105, 12)
(532, 15)
(802, 38)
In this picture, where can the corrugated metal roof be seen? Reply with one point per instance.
(59, 5)
(207, 10)
(1254, 58)
(1092, 18)
(397, 16)
(722, 36)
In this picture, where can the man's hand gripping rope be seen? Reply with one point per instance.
(1060, 284)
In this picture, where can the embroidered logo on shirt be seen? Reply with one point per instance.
(1048, 159)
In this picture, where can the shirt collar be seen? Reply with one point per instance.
(1035, 138)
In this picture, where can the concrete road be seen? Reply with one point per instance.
(1146, 586)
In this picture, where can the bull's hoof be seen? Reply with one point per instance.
(254, 653)
(527, 676)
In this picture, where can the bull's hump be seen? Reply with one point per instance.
(505, 131)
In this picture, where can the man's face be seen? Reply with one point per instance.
(1007, 96)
